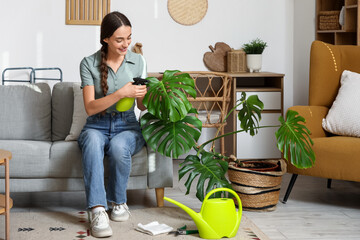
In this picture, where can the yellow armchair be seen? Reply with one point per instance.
(337, 157)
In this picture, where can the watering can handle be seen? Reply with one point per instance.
(226, 190)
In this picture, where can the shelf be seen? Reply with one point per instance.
(331, 31)
(265, 111)
(351, 6)
(4, 154)
(349, 32)
(256, 74)
(2, 203)
(258, 89)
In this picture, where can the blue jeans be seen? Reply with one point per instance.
(117, 135)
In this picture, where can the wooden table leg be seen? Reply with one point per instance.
(7, 199)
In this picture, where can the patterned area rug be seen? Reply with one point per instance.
(75, 226)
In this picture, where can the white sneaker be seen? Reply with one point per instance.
(120, 212)
(99, 225)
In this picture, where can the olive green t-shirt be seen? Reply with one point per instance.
(134, 65)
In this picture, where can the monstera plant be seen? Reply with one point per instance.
(171, 128)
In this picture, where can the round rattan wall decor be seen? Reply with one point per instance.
(187, 12)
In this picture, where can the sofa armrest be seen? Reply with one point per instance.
(313, 118)
(160, 170)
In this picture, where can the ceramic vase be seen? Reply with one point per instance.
(254, 62)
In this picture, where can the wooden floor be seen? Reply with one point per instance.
(312, 212)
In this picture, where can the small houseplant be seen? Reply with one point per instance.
(169, 129)
(254, 50)
(256, 46)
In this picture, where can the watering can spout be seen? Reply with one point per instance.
(201, 224)
(194, 215)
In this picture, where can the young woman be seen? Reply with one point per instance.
(106, 78)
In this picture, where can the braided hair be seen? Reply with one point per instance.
(110, 23)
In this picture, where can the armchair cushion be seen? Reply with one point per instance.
(343, 116)
(337, 157)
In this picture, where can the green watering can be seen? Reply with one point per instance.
(218, 217)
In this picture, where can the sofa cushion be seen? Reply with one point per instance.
(25, 112)
(79, 114)
(139, 163)
(30, 159)
(344, 114)
(65, 161)
(62, 110)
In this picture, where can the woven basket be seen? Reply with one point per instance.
(236, 61)
(329, 20)
(261, 201)
(258, 191)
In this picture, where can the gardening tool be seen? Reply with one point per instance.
(126, 103)
(183, 231)
(218, 217)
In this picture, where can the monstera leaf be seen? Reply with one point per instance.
(167, 99)
(250, 114)
(167, 127)
(171, 139)
(294, 141)
(209, 167)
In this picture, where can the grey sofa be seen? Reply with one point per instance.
(34, 122)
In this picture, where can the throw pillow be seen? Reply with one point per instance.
(343, 116)
(79, 114)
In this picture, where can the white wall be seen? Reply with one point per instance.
(304, 35)
(35, 35)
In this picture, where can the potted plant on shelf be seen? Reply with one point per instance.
(254, 50)
(170, 128)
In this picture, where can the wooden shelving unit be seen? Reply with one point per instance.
(349, 33)
(269, 88)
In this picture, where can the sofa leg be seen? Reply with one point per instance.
(329, 183)
(159, 196)
(288, 190)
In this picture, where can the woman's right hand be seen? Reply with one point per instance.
(132, 91)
